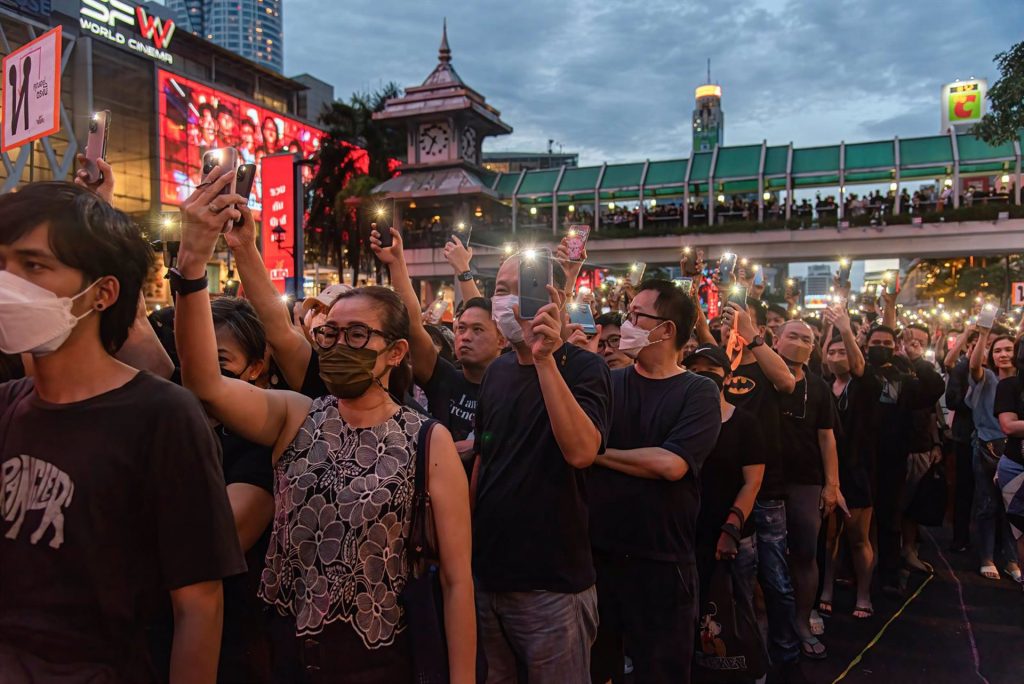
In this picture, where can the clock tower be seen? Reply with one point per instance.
(445, 119)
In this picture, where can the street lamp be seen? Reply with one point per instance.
(277, 237)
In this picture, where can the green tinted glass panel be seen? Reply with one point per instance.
(870, 155)
(506, 184)
(666, 172)
(775, 160)
(975, 149)
(816, 159)
(621, 176)
(933, 150)
(737, 162)
(538, 182)
(580, 179)
(700, 166)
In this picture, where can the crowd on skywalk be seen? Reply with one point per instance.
(551, 485)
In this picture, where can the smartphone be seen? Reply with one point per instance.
(244, 178)
(535, 274)
(890, 283)
(436, 311)
(225, 157)
(738, 295)
(96, 145)
(581, 315)
(386, 238)
(987, 316)
(844, 272)
(636, 272)
(577, 241)
(463, 231)
(758, 276)
(726, 266)
(685, 284)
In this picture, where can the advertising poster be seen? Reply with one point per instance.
(31, 85)
(963, 103)
(277, 234)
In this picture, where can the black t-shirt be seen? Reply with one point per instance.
(451, 399)
(530, 528)
(808, 409)
(721, 478)
(106, 505)
(1009, 400)
(856, 409)
(750, 389)
(648, 518)
(312, 385)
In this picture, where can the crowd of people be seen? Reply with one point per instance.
(231, 490)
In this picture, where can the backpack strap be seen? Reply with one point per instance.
(422, 541)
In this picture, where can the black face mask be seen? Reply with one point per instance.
(879, 356)
(715, 377)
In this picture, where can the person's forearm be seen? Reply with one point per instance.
(829, 457)
(195, 649)
(194, 334)
(853, 353)
(702, 328)
(421, 346)
(1012, 428)
(747, 495)
(576, 434)
(460, 630)
(978, 356)
(953, 355)
(775, 369)
(468, 289)
(889, 315)
(652, 463)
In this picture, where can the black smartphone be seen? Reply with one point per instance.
(244, 178)
(463, 231)
(535, 274)
(386, 238)
(726, 267)
(844, 272)
(738, 295)
(225, 157)
(581, 315)
(96, 145)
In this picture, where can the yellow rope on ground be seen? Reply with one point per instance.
(860, 656)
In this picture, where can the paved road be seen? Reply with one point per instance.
(938, 638)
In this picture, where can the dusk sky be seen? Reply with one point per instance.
(613, 80)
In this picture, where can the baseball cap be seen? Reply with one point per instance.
(326, 297)
(713, 353)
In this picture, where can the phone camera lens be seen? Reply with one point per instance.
(93, 127)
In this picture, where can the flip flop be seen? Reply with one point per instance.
(809, 648)
(989, 571)
(1014, 574)
(863, 612)
(825, 608)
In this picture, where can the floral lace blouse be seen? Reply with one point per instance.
(343, 503)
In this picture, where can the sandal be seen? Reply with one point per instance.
(825, 607)
(989, 571)
(863, 612)
(813, 648)
(1014, 574)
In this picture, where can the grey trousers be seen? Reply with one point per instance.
(537, 636)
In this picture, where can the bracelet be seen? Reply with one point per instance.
(739, 514)
(732, 531)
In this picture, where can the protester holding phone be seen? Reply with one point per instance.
(451, 392)
(645, 494)
(541, 420)
(135, 508)
(344, 474)
(458, 257)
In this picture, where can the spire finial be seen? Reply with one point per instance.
(445, 53)
(709, 71)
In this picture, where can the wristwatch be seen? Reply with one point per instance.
(756, 342)
(182, 286)
(465, 276)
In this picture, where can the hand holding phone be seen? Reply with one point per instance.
(581, 315)
(636, 272)
(96, 145)
(244, 178)
(436, 311)
(726, 268)
(987, 317)
(535, 275)
(844, 273)
(738, 295)
(463, 231)
(384, 233)
(225, 158)
(685, 284)
(576, 241)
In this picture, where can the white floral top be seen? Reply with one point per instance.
(343, 503)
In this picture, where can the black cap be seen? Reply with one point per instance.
(713, 353)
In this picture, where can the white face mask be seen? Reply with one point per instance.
(505, 318)
(33, 319)
(634, 338)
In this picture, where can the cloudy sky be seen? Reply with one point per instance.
(614, 79)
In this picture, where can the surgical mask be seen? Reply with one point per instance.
(879, 356)
(505, 318)
(348, 373)
(634, 338)
(840, 367)
(715, 377)
(794, 355)
(33, 319)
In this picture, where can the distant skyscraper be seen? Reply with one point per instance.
(708, 119)
(251, 28)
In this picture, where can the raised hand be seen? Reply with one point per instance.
(204, 216)
(103, 187)
(457, 255)
(387, 255)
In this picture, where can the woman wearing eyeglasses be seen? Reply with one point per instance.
(344, 474)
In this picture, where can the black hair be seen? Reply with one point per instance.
(610, 318)
(675, 305)
(240, 319)
(881, 329)
(760, 311)
(395, 325)
(778, 311)
(206, 106)
(814, 323)
(11, 367)
(919, 326)
(439, 338)
(476, 303)
(88, 235)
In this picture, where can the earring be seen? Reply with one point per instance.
(99, 307)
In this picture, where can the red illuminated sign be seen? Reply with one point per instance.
(277, 235)
(195, 118)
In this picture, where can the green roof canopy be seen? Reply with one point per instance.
(738, 162)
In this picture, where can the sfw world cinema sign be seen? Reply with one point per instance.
(129, 26)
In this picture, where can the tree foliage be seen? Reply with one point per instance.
(1006, 99)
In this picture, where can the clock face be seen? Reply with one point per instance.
(434, 140)
(468, 147)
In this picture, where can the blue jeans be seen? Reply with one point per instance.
(773, 573)
(989, 517)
